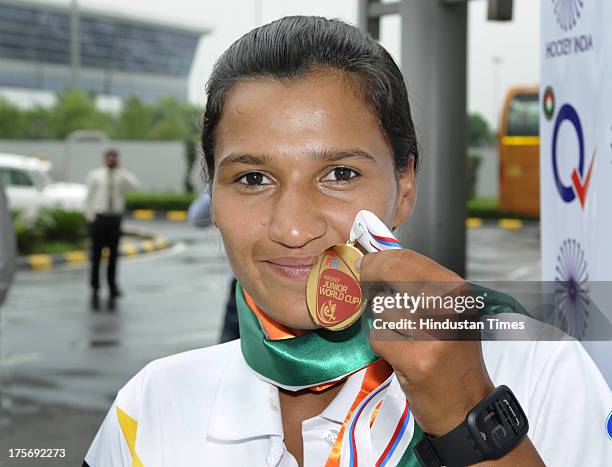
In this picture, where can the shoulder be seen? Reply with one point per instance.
(167, 403)
(563, 393)
(95, 173)
(193, 372)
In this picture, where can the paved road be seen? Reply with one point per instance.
(495, 254)
(62, 364)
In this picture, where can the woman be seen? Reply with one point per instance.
(307, 122)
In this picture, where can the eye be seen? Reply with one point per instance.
(341, 175)
(254, 179)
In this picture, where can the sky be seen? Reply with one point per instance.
(499, 54)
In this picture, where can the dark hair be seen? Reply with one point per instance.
(111, 152)
(296, 45)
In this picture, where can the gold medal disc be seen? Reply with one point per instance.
(333, 292)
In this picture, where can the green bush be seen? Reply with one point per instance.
(473, 163)
(26, 235)
(488, 208)
(158, 201)
(58, 225)
(53, 231)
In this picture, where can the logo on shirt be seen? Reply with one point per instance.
(609, 426)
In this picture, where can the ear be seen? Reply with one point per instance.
(406, 196)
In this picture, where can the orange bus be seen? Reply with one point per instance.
(519, 153)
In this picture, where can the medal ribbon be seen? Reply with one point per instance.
(296, 360)
(376, 374)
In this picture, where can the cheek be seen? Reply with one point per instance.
(241, 228)
(383, 199)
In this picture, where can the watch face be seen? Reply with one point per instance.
(498, 423)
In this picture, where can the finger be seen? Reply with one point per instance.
(387, 265)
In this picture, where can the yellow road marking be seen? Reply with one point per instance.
(510, 224)
(39, 262)
(473, 222)
(76, 256)
(147, 245)
(176, 215)
(143, 214)
(129, 249)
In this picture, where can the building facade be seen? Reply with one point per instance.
(52, 48)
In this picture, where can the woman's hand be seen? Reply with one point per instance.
(442, 379)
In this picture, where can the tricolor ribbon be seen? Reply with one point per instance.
(372, 234)
(354, 445)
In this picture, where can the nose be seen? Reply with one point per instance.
(296, 219)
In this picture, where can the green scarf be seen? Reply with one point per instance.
(307, 360)
(319, 356)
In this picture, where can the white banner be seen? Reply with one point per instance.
(576, 147)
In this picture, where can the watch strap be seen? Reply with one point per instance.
(498, 418)
(455, 448)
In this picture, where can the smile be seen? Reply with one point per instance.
(297, 268)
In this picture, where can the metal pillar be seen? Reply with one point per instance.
(433, 61)
(75, 44)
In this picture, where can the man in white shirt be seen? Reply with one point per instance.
(105, 203)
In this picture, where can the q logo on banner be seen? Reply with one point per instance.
(580, 183)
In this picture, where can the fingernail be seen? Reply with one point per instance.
(358, 263)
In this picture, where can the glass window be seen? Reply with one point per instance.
(5, 177)
(34, 34)
(14, 177)
(19, 178)
(524, 115)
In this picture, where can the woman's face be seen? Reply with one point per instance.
(294, 163)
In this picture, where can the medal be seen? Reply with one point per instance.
(333, 291)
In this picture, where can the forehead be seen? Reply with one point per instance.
(314, 111)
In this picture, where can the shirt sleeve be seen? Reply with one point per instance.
(115, 443)
(130, 182)
(570, 402)
(90, 210)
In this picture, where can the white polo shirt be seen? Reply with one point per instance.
(106, 190)
(206, 407)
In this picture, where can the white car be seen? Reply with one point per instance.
(29, 188)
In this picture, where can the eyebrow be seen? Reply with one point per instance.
(326, 155)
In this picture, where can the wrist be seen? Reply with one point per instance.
(450, 421)
(491, 429)
(442, 417)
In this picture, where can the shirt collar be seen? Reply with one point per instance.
(247, 406)
(338, 408)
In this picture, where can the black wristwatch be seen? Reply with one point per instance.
(490, 430)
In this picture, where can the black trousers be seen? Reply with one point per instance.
(105, 231)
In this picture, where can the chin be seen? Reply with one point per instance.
(295, 318)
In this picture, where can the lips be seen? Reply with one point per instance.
(292, 267)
